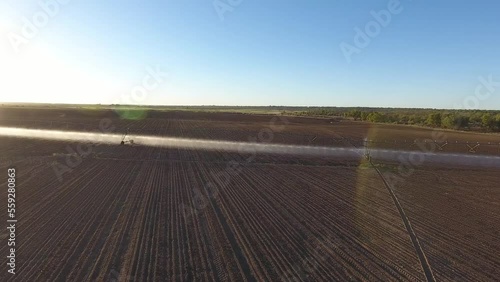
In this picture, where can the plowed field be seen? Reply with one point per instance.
(133, 213)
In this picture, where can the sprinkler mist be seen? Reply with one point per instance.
(252, 148)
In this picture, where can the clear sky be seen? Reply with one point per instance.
(242, 52)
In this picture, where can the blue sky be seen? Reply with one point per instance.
(429, 54)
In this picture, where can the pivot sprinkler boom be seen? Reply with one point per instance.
(124, 140)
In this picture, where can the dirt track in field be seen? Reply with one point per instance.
(146, 213)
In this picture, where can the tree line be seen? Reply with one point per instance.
(450, 119)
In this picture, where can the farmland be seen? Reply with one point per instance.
(148, 213)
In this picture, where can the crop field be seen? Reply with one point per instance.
(138, 213)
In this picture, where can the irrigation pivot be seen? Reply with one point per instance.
(124, 140)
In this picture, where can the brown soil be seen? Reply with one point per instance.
(140, 213)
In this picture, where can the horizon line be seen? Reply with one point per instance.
(238, 106)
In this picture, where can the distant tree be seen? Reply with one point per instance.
(497, 122)
(415, 119)
(391, 118)
(404, 119)
(449, 121)
(476, 116)
(376, 117)
(463, 121)
(487, 121)
(434, 119)
(455, 121)
(356, 114)
(364, 115)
